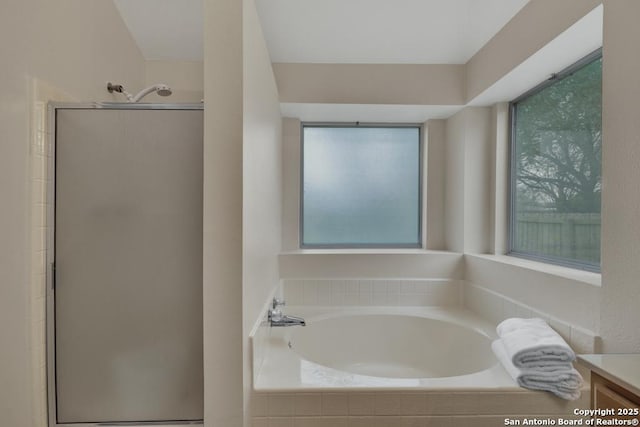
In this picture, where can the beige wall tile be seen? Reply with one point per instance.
(335, 404)
(362, 422)
(308, 404)
(333, 422)
(260, 422)
(361, 404)
(375, 292)
(514, 403)
(388, 421)
(581, 341)
(280, 422)
(478, 421)
(561, 328)
(439, 422)
(499, 420)
(305, 422)
(388, 404)
(281, 405)
(438, 403)
(400, 404)
(321, 422)
(413, 421)
(259, 405)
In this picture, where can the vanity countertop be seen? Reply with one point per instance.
(623, 369)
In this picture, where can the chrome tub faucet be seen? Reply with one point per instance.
(277, 318)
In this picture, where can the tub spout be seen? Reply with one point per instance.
(276, 318)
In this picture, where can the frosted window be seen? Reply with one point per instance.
(361, 186)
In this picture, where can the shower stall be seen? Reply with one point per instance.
(124, 297)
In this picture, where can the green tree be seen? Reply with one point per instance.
(559, 145)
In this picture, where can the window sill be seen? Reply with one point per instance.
(365, 251)
(586, 277)
(370, 263)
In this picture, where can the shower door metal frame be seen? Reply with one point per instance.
(52, 108)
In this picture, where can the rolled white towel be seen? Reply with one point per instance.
(564, 381)
(531, 343)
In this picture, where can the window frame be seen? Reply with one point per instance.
(420, 236)
(554, 78)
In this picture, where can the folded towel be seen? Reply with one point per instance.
(531, 343)
(564, 382)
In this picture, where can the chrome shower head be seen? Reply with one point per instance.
(161, 89)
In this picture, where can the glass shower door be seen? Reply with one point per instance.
(128, 258)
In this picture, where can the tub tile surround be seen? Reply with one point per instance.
(41, 183)
(407, 408)
(40, 159)
(402, 407)
(496, 308)
(373, 292)
(260, 334)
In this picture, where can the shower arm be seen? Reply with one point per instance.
(162, 89)
(118, 88)
(143, 93)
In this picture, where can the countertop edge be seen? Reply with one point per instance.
(584, 359)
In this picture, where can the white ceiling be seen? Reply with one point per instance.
(165, 29)
(381, 31)
(332, 31)
(582, 38)
(576, 42)
(366, 31)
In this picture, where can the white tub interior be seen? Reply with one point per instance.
(396, 346)
(379, 348)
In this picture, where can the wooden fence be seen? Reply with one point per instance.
(567, 235)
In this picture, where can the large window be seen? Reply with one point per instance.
(555, 168)
(360, 186)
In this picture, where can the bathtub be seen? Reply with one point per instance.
(378, 348)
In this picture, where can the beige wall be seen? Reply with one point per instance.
(540, 287)
(620, 317)
(435, 183)
(563, 293)
(242, 201)
(262, 184)
(499, 179)
(222, 227)
(78, 45)
(407, 84)
(375, 263)
(539, 22)
(467, 180)
(71, 48)
(371, 265)
(454, 183)
(475, 174)
(185, 78)
(290, 184)
(476, 179)
(570, 295)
